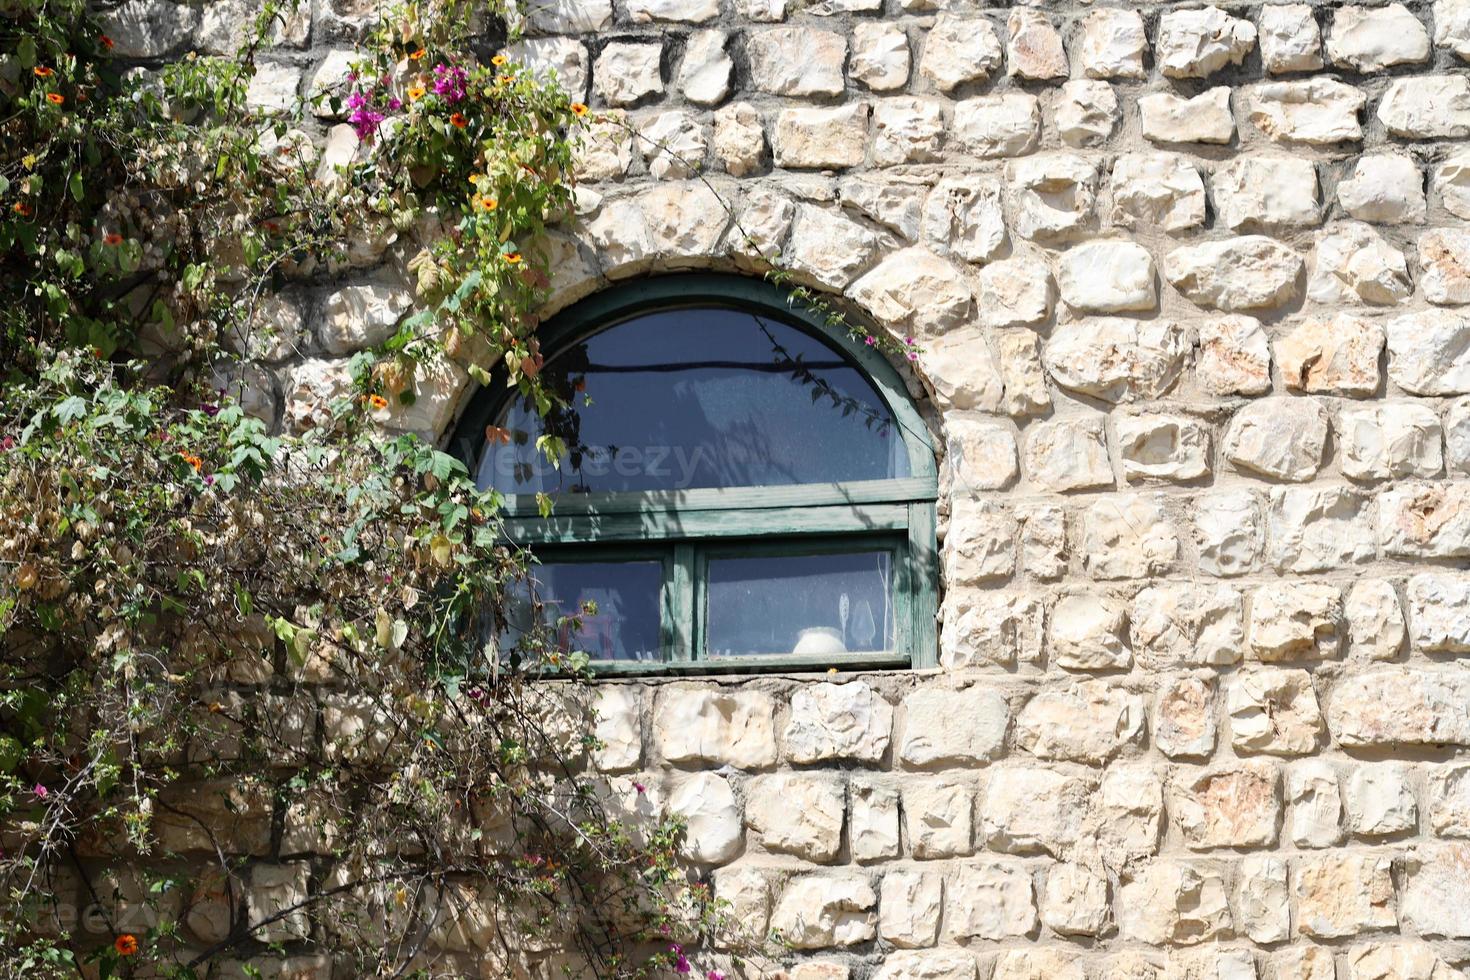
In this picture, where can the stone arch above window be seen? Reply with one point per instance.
(737, 488)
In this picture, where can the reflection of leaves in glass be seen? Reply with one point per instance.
(740, 452)
(823, 389)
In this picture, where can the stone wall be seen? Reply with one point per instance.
(1189, 283)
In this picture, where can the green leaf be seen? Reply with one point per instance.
(75, 186)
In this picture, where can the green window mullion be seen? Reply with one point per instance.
(682, 603)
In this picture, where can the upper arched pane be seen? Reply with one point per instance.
(694, 398)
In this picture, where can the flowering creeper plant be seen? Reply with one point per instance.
(256, 701)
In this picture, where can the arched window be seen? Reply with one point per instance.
(740, 488)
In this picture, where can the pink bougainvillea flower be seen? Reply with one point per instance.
(41, 792)
(640, 788)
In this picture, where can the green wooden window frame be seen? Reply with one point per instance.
(683, 529)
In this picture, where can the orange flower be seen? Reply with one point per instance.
(578, 109)
(415, 93)
(126, 944)
(489, 203)
(113, 239)
(41, 71)
(107, 42)
(378, 402)
(193, 461)
(458, 121)
(514, 258)
(417, 55)
(55, 98)
(499, 60)
(21, 208)
(504, 79)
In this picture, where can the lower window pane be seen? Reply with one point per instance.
(808, 605)
(625, 625)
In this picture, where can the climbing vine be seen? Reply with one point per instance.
(259, 695)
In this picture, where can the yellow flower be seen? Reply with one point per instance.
(489, 203)
(415, 93)
(578, 109)
(513, 258)
(499, 60)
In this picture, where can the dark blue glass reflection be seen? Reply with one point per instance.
(694, 398)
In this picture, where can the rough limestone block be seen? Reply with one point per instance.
(1157, 190)
(1235, 806)
(1380, 801)
(817, 911)
(959, 49)
(1315, 796)
(1369, 39)
(1167, 902)
(962, 727)
(909, 905)
(1229, 532)
(1088, 632)
(1089, 722)
(1384, 188)
(1342, 894)
(1399, 706)
(714, 726)
(796, 61)
(711, 813)
(1237, 274)
(838, 721)
(938, 817)
(1085, 112)
(1198, 43)
(1110, 44)
(1273, 711)
(1128, 537)
(989, 900)
(1052, 196)
(1282, 438)
(872, 828)
(1234, 356)
(1263, 901)
(797, 813)
(1032, 811)
(1184, 718)
(1075, 900)
(1289, 37)
(1316, 111)
(1317, 529)
(1117, 360)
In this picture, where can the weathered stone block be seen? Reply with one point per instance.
(838, 721)
(817, 911)
(721, 727)
(953, 727)
(989, 900)
(1274, 711)
(1237, 806)
(1343, 894)
(797, 813)
(1030, 811)
(1088, 723)
(938, 817)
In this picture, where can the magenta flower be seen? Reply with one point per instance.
(450, 82)
(681, 962)
(640, 788)
(41, 792)
(714, 975)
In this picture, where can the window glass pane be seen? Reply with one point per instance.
(692, 398)
(811, 605)
(625, 625)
